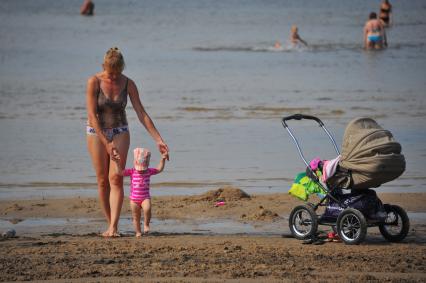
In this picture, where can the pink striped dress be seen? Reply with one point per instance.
(139, 183)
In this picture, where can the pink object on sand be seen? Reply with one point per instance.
(219, 203)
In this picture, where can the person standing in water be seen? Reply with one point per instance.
(295, 38)
(87, 8)
(374, 33)
(386, 13)
(107, 130)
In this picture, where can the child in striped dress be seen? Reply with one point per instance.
(139, 187)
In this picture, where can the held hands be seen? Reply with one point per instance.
(164, 149)
(113, 152)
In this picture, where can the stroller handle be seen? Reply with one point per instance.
(300, 117)
(321, 124)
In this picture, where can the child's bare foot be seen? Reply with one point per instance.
(138, 234)
(146, 229)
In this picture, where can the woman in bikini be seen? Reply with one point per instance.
(107, 130)
(386, 13)
(374, 33)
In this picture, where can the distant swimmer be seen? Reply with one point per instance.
(295, 38)
(374, 33)
(277, 45)
(87, 8)
(386, 13)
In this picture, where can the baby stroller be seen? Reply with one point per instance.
(370, 157)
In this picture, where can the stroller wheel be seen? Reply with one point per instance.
(351, 226)
(303, 222)
(395, 227)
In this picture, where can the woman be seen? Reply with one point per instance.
(386, 13)
(108, 136)
(374, 33)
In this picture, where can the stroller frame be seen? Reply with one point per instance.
(351, 224)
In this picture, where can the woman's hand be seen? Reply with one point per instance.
(164, 149)
(112, 151)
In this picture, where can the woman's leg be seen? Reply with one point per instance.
(136, 216)
(116, 195)
(146, 206)
(100, 161)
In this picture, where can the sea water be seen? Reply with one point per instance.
(214, 85)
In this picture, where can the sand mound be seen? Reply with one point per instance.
(262, 214)
(227, 193)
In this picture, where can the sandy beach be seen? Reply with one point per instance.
(84, 256)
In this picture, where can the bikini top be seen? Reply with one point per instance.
(112, 113)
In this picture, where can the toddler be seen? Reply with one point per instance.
(139, 187)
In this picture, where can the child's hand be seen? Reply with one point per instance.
(165, 156)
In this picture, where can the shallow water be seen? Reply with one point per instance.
(214, 85)
(84, 226)
(80, 226)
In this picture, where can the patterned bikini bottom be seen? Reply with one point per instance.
(108, 132)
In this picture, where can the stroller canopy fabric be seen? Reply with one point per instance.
(370, 154)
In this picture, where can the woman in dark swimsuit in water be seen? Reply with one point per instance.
(386, 13)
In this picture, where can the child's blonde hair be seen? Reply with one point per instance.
(294, 28)
(114, 60)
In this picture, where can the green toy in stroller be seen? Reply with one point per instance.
(370, 157)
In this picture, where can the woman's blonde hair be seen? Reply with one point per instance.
(114, 60)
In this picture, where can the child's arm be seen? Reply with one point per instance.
(160, 166)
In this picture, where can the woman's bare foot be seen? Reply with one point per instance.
(109, 233)
(138, 235)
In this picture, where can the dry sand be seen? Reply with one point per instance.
(166, 257)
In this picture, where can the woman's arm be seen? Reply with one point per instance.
(145, 119)
(385, 40)
(365, 37)
(91, 105)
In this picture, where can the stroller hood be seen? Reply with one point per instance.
(370, 155)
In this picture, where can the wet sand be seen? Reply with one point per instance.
(84, 256)
(238, 206)
(182, 258)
